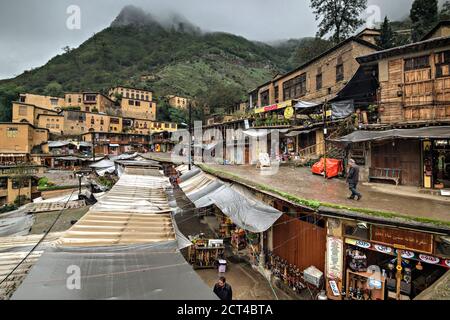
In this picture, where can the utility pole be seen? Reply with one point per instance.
(190, 136)
(93, 146)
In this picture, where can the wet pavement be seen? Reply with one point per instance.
(247, 283)
(303, 184)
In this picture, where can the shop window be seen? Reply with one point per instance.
(417, 63)
(357, 231)
(4, 183)
(295, 88)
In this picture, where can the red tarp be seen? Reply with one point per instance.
(334, 167)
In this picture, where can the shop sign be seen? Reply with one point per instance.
(383, 249)
(288, 113)
(334, 288)
(429, 259)
(410, 240)
(335, 250)
(272, 107)
(406, 254)
(358, 243)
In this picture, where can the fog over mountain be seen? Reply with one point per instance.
(40, 32)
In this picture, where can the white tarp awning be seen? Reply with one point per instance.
(244, 210)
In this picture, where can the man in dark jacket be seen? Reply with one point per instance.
(223, 290)
(353, 179)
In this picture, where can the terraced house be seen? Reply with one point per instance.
(408, 140)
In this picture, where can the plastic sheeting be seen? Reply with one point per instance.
(419, 133)
(244, 210)
(102, 164)
(342, 109)
(156, 272)
(305, 105)
(16, 226)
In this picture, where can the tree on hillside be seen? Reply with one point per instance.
(424, 15)
(340, 18)
(387, 37)
(54, 89)
(445, 11)
(8, 94)
(219, 97)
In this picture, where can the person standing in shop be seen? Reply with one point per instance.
(353, 180)
(223, 290)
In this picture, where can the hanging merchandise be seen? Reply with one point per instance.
(357, 260)
(288, 273)
(238, 239)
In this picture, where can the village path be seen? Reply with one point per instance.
(302, 183)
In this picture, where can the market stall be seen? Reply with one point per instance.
(206, 253)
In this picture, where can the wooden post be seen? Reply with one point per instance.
(324, 139)
(399, 271)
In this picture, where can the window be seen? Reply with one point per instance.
(102, 122)
(53, 101)
(11, 132)
(137, 103)
(277, 96)
(295, 87)
(417, 63)
(146, 98)
(173, 126)
(90, 97)
(114, 120)
(4, 183)
(92, 120)
(23, 110)
(265, 98)
(79, 99)
(69, 99)
(20, 183)
(87, 109)
(339, 70)
(127, 94)
(319, 79)
(442, 64)
(131, 102)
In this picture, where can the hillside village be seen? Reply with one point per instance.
(281, 209)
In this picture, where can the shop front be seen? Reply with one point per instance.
(436, 163)
(371, 262)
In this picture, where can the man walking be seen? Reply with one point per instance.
(353, 179)
(223, 290)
